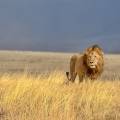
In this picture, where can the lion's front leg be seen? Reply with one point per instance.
(94, 77)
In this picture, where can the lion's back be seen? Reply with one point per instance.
(80, 67)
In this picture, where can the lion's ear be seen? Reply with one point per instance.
(100, 51)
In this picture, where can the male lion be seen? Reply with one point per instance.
(90, 64)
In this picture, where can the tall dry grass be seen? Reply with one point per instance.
(27, 97)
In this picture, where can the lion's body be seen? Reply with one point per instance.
(79, 64)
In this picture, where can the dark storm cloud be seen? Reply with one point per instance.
(59, 25)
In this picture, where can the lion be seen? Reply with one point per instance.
(89, 65)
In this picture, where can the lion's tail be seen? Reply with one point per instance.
(67, 74)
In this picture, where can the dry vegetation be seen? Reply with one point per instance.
(35, 95)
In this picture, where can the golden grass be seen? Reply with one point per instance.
(27, 97)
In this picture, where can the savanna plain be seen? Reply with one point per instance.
(32, 87)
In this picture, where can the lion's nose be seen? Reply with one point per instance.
(91, 62)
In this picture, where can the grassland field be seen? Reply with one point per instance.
(32, 88)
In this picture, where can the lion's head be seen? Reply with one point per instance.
(94, 57)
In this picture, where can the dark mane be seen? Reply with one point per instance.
(96, 46)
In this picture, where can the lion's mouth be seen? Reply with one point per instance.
(92, 66)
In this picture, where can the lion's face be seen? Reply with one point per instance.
(92, 59)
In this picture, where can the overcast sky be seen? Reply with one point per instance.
(59, 25)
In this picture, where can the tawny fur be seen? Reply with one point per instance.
(79, 66)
